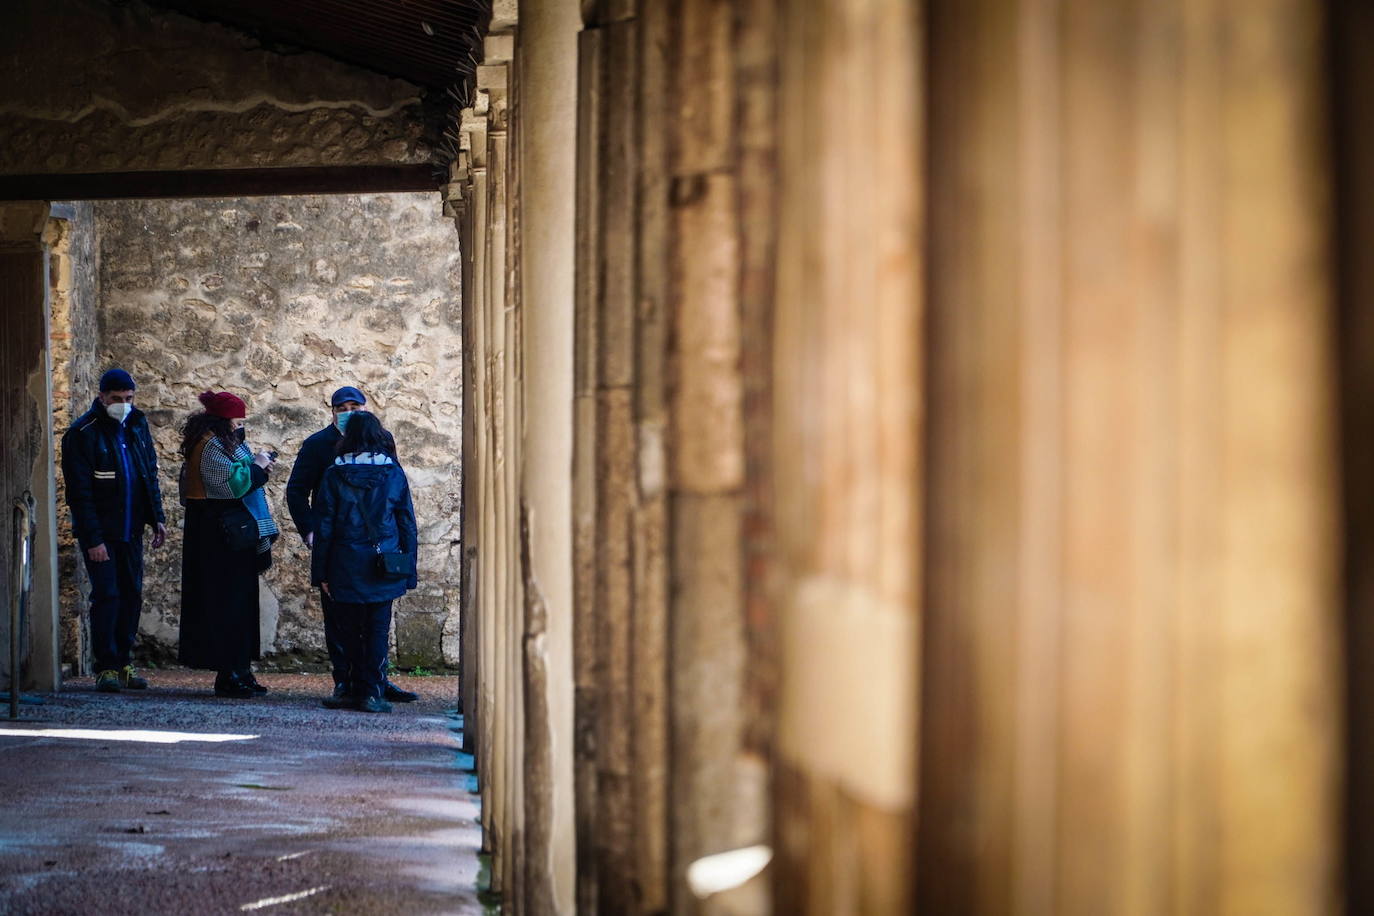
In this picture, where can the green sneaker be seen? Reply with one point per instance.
(107, 681)
(131, 681)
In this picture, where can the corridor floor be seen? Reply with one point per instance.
(171, 800)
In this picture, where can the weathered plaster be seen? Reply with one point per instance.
(143, 89)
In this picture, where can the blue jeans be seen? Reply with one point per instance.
(116, 601)
(363, 630)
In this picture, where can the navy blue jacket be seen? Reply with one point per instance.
(344, 555)
(99, 492)
(303, 487)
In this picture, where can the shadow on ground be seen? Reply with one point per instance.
(171, 800)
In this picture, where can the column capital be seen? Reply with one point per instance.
(492, 76)
(498, 48)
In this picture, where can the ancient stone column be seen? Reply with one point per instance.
(462, 205)
(651, 825)
(503, 797)
(586, 669)
(546, 64)
(608, 824)
(497, 529)
(719, 788)
(479, 720)
(666, 773)
(1352, 27)
(848, 399)
(1130, 702)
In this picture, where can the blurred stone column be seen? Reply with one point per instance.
(1130, 702)
(607, 491)
(848, 398)
(1352, 31)
(719, 785)
(586, 667)
(665, 772)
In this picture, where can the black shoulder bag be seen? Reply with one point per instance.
(239, 527)
(387, 565)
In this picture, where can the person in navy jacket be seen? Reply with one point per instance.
(363, 510)
(109, 467)
(302, 499)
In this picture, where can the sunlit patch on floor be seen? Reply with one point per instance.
(285, 898)
(144, 735)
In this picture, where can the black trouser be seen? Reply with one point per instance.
(334, 639)
(364, 630)
(116, 601)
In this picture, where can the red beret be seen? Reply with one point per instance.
(223, 404)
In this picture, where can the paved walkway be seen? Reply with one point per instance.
(171, 800)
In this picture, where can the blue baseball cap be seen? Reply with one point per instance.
(346, 393)
(117, 380)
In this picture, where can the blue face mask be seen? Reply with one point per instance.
(341, 419)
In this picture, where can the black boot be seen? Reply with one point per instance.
(373, 704)
(229, 684)
(246, 676)
(396, 695)
(340, 700)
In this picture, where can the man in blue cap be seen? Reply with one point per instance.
(109, 467)
(302, 493)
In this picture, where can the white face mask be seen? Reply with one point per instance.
(119, 412)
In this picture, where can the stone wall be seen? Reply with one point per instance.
(73, 267)
(201, 96)
(281, 300)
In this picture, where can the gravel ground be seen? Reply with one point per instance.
(298, 809)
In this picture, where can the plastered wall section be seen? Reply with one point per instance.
(73, 330)
(201, 96)
(282, 300)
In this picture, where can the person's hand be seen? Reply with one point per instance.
(98, 553)
(263, 460)
(159, 536)
(310, 540)
(325, 587)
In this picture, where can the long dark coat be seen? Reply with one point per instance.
(219, 590)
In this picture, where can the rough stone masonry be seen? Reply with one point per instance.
(281, 300)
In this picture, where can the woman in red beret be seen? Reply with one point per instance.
(227, 542)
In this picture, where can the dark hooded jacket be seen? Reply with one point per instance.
(307, 473)
(344, 554)
(99, 491)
